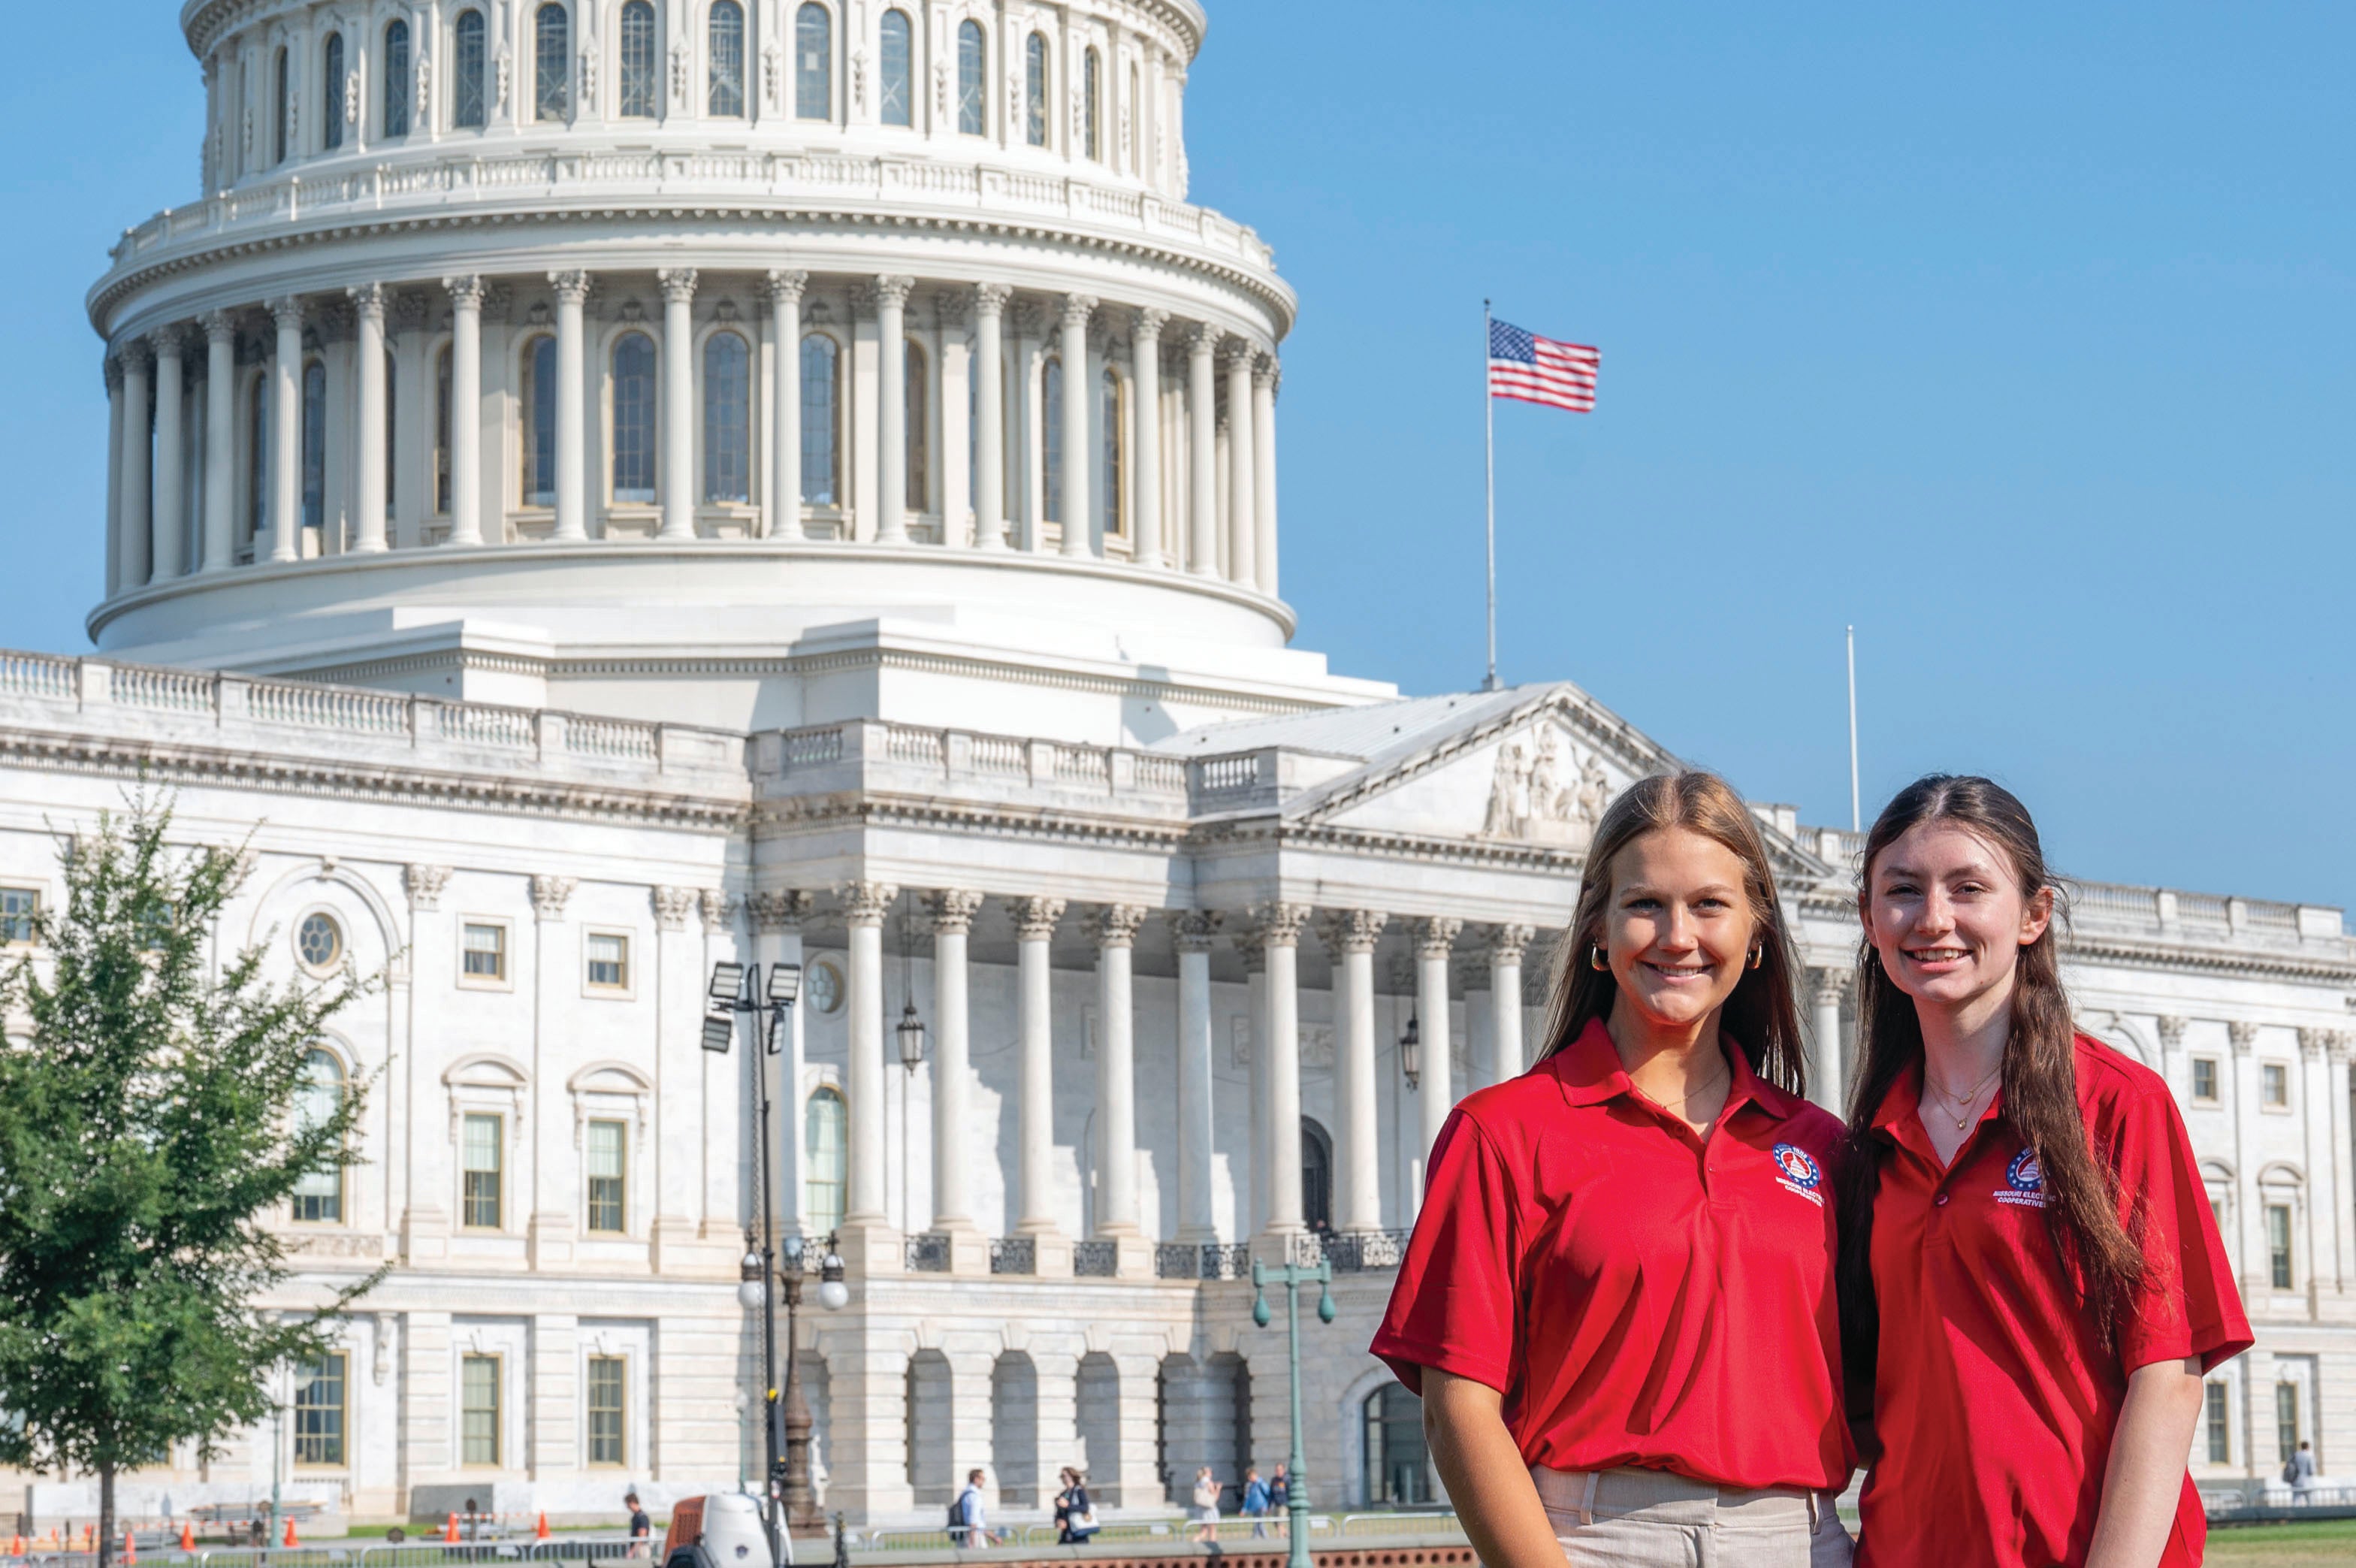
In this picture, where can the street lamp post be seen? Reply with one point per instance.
(793, 1484)
(1292, 1276)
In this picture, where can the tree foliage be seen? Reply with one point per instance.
(149, 1133)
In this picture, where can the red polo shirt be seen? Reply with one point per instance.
(1641, 1296)
(1995, 1404)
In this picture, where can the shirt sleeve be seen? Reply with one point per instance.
(1454, 1305)
(2190, 1305)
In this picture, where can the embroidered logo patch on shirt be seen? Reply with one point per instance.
(2024, 1181)
(1797, 1172)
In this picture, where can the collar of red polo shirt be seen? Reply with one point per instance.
(1591, 1072)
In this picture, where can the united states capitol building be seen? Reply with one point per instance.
(599, 488)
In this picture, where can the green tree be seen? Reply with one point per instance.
(149, 1131)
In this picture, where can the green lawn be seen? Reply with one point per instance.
(2286, 1545)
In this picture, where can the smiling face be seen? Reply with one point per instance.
(1679, 929)
(1945, 912)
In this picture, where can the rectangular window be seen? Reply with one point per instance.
(319, 1410)
(2274, 1078)
(2279, 1243)
(478, 1410)
(2213, 1421)
(608, 1405)
(2204, 1080)
(607, 1176)
(485, 955)
(609, 962)
(16, 908)
(483, 1151)
(2286, 1418)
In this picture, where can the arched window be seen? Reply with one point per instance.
(257, 457)
(441, 433)
(727, 418)
(540, 421)
(396, 79)
(1034, 91)
(1398, 1466)
(725, 36)
(920, 429)
(331, 93)
(1092, 103)
(639, 71)
(822, 420)
(1109, 430)
(634, 418)
(898, 108)
(813, 62)
(1316, 1176)
(280, 67)
(315, 444)
(973, 98)
(319, 1195)
(551, 63)
(826, 1149)
(1051, 440)
(466, 101)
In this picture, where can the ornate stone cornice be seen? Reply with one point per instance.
(1192, 930)
(423, 884)
(1435, 937)
(1352, 930)
(867, 903)
(550, 894)
(952, 909)
(1035, 917)
(718, 910)
(781, 911)
(673, 906)
(1116, 925)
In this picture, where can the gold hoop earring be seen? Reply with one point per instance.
(1597, 961)
(1758, 957)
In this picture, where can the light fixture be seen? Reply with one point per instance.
(718, 1032)
(776, 1033)
(727, 982)
(832, 1294)
(752, 1290)
(785, 984)
(1411, 1051)
(911, 1031)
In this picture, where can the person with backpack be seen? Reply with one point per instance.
(1075, 1516)
(2298, 1472)
(969, 1516)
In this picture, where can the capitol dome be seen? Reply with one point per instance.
(608, 284)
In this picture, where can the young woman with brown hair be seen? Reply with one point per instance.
(2027, 1250)
(1618, 1305)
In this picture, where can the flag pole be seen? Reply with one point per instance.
(1856, 820)
(1489, 416)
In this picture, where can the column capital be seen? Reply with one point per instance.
(893, 289)
(1077, 309)
(952, 910)
(2244, 1036)
(2171, 1031)
(571, 287)
(423, 884)
(1116, 925)
(2311, 1043)
(221, 326)
(1265, 373)
(1828, 987)
(867, 903)
(465, 293)
(133, 354)
(1434, 937)
(678, 284)
(164, 341)
(110, 368)
(783, 285)
(718, 910)
(1203, 338)
(1352, 930)
(780, 912)
(286, 310)
(1192, 930)
(1238, 352)
(1275, 925)
(550, 895)
(673, 906)
(990, 298)
(368, 301)
(1034, 918)
(2338, 1047)
(1508, 943)
(1147, 323)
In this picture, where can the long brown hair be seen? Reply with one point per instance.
(2040, 1098)
(1760, 1018)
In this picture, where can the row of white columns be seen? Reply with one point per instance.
(144, 460)
(1271, 932)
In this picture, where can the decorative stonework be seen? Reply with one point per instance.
(2171, 1031)
(1829, 987)
(1507, 944)
(1436, 938)
(780, 913)
(990, 298)
(464, 292)
(1275, 925)
(678, 284)
(1116, 925)
(1352, 930)
(571, 287)
(1034, 918)
(868, 903)
(424, 883)
(551, 894)
(718, 910)
(1546, 791)
(1192, 930)
(2243, 1035)
(672, 907)
(785, 285)
(952, 910)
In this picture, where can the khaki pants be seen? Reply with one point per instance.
(1650, 1518)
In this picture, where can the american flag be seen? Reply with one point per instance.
(1531, 369)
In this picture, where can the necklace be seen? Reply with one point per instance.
(1963, 1105)
(1678, 1104)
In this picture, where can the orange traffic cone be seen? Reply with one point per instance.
(541, 1533)
(188, 1537)
(15, 1546)
(451, 1533)
(130, 1549)
(290, 1531)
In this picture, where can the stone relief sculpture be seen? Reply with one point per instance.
(1546, 791)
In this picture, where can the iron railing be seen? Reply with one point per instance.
(1014, 1255)
(928, 1252)
(1096, 1260)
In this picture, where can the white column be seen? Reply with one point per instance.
(1115, 931)
(131, 572)
(1435, 1090)
(466, 409)
(2249, 1134)
(1278, 927)
(777, 919)
(1251, 1196)
(113, 373)
(1145, 460)
(677, 479)
(891, 407)
(1350, 938)
(1264, 378)
(1078, 512)
(167, 532)
(220, 440)
(1034, 927)
(1826, 989)
(1203, 450)
(1507, 944)
(2343, 1178)
(1243, 492)
(786, 403)
(367, 439)
(864, 907)
(1190, 934)
(989, 424)
(572, 406)
(952, 913)
(2322, 1158)
(287, 433)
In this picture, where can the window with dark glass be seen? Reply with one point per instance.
(2286, 1423)
(2217, 1422)
(18, 907)
(640, 70)
(280, 67)
(319, 1410)
(552, 63)
(466, 97)
(973, 98)
(331, 93)
(1092, 103)
(1034, 91)
(727, 418)
(2204, 1079)
(1109, 434)
(2279, 1244)
(822, 420)
(441, 433)
(607, 1406)
(1397, 1464)
(485, 951)
(634, 418)
(814, 63)
(478, 1410)
(724, 38)
(315, 444)
(257, 458)
(319, 1195)
(609, 962)
(396, 78)
(1051, 440)
(540, 421)
(919, 401)
(607, 1152)
(897, 105)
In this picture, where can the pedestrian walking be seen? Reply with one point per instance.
(1256, 1501)
(1075, 1515)
(2300, 1471)
(1206, 1505)
(641, 1526)
(969, 1515)
(1279, 1499)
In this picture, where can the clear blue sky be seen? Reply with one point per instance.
(2022, 336)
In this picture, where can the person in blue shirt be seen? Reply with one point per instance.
(1256, 1500)
(972, 1528)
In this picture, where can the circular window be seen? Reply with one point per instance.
(825, 983)
(320, 941)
